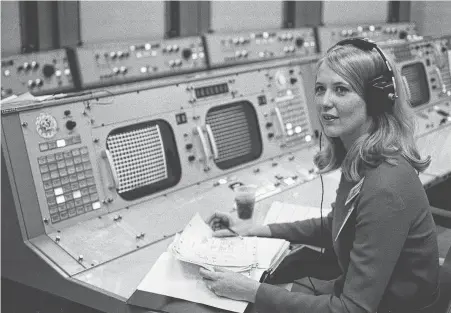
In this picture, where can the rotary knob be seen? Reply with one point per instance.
(71, 124)
(48, 70)
(186, 53)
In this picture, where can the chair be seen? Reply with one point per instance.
(444, 301)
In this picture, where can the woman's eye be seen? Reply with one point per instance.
(319, 89)
(341, 90)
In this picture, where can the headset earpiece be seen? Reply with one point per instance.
(380, 93)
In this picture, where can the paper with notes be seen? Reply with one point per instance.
(176, 272)
(286, 213)
(197, 245)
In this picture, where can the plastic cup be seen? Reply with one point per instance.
(245, 201)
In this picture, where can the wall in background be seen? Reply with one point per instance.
(121, 20)
(11, 43)
(431, 17)
(354, 12)
(229, 16)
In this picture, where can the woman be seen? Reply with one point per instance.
(381, 228)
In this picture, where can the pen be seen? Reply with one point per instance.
(234, 232)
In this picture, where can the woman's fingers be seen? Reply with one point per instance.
(218, 219)
(210, 275)
(223, 233)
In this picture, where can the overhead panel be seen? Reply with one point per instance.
(350, 12)
(121, 20)
(228, 16)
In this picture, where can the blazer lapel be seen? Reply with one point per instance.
(352, 194)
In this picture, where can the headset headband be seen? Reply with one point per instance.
(366, 44)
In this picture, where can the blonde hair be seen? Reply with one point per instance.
(389, 133)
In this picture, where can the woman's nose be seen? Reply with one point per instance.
(326, 100)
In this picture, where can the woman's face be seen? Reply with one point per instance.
(342, 112)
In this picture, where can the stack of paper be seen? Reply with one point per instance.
(176, 272)
(197, 245)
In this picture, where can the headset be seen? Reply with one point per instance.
(381, 91)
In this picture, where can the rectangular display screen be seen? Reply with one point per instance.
(415, 75)
(212, 90)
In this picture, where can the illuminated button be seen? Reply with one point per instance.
(116, 70)
(31, 83)
(290, 132)
(39, 82)
(113, 55)
(7, 72)
(265, 35)
(61, 143)
(147, 46)
(143, 69)
(360, 29)
(60, 199)
(96, 205)
(67, 72)
(123, 69)
(176, 48)
(201, 55)
(288, 126)
(308, 138)
(76, 194)
(58, 191)
(298, 129)
(372, 28)
(58, 73)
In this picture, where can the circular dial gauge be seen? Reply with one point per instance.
(46, 125)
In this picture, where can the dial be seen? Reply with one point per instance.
(46, 125)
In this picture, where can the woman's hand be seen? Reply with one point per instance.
(230, 284)
(219, 222)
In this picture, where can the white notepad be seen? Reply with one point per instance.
(281, 212)
(176, 272)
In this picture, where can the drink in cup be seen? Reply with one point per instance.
(245, 201)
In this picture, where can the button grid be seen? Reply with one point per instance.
(69, 183)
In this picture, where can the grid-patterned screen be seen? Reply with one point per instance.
(236, 134)
(138, 157)
(415, 75)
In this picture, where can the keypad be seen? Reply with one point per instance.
(69, 184)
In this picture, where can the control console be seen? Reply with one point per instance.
(39, 73)
(117, 63)
(399, 32)
(247, 47)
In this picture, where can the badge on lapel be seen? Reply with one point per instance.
(352, 194)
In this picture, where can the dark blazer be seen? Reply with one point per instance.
(387, 248)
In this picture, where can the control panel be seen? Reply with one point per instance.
(425, 70)
(38, 73)
(99, 156)
(396, 32)
(246, 47)
(117, 63)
